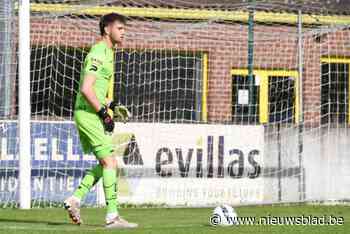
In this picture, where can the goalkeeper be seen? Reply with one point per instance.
(95, 125)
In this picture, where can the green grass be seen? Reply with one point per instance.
(167, 220)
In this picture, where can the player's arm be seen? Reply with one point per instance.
(92, 68)
(87, 89)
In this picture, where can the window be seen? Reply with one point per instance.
(160, 85)
(243, 111)
(274, 97)
(281, 99)
(334, 90)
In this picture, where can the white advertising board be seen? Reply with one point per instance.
(186, 164)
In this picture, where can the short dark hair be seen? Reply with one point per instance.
(109, 19)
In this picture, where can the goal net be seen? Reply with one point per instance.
(231, 102)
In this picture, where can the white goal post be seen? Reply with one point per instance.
(24, 115)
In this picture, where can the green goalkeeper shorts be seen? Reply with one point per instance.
(92, 134)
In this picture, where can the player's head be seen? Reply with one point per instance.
(113, 26)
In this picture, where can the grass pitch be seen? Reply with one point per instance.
(168, 220)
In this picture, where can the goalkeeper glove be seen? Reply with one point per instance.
(108, 122)
(120, 112)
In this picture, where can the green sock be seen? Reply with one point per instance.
(90, 179)
(110, 189)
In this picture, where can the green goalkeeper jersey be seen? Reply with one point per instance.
(99, 62)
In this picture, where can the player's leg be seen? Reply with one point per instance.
(101, 145)
(72, 204)
(93, 175)
(89, 180)
(109, 165)
(113, 219)
(103, 150)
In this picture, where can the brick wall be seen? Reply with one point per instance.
(275, 47)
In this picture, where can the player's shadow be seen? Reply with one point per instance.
(17, 221)
(33, 221)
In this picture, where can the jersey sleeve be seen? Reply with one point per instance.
(93, 64)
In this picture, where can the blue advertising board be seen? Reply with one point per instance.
(57, 161)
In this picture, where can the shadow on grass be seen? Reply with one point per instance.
(45, 222)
